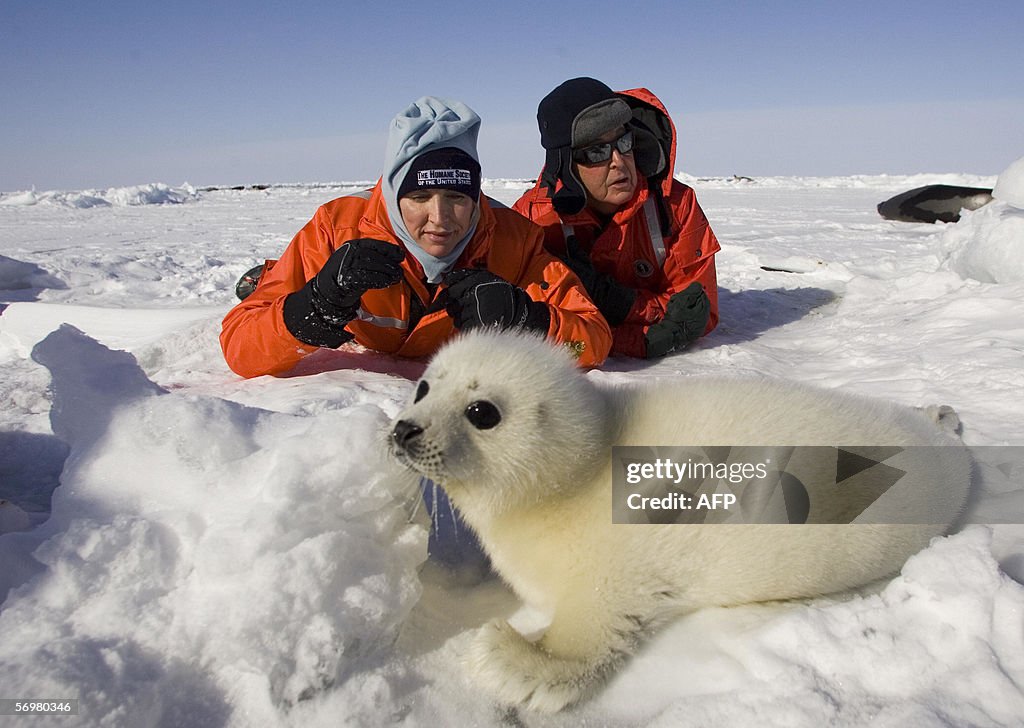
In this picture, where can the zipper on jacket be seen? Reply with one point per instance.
(418, 308)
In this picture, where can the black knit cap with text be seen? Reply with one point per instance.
(447, 168)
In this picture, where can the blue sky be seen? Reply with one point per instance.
(97, 94)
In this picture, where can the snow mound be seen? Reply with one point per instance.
(202, 554)
(987, 244)
(154, 193)
(1010, 185)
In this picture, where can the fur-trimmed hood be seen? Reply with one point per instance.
(651, 112)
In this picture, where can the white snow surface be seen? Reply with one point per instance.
(1009, 186)
(182, 547)
(988, 243)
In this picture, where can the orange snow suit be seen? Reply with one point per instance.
(406, 319)
(636, 246)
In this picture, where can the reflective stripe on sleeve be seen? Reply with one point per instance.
(382, 321)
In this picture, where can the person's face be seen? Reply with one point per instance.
(610, 184)
(437, 219)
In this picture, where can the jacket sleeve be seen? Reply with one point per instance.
(253, 336)
(575, 320)
(690, 258)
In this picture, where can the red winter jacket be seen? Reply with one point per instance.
(255, 340)
(632, 247)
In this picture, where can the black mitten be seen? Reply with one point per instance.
(613, 299)
(318, 312)
(690, 308)
(481, 298)
(686, 317)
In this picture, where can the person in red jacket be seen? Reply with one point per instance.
(613, 212)
(401, 268)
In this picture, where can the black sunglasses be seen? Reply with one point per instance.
(601, 153)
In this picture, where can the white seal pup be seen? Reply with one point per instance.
(521, 439)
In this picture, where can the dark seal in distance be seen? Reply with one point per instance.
(934, 203)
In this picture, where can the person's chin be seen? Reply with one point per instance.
(439, 251)
(437, 246)
(621, 195)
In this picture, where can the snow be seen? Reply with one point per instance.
(1010, 185)
(988, 243)
(182, 547)
(151, 194)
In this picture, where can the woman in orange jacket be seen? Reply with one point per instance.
(399, 269)
(612, 210)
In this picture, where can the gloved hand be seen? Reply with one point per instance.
(686, 317)
(478, 297)
(613, 299)
(318, 312)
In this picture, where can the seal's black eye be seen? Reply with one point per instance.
(421, 391)
(483, 415)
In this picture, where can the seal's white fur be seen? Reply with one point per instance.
(537, 489)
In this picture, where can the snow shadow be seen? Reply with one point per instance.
(30, 466)
(88, 382)
(21, 281)
(745, 315)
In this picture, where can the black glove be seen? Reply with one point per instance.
(318, 312)
(686, 317)
(612, 299)
(480, 298)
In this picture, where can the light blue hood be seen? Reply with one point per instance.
(429, 123)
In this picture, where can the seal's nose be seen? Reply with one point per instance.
(405, 432)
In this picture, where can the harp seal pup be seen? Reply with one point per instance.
(521, 440)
